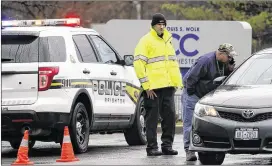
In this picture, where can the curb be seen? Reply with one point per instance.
(179, 129)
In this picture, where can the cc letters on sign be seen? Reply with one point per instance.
(182, 43)
(183, 36)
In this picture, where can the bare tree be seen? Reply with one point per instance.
(30, 9)
(88, 11)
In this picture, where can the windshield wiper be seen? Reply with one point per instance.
(6, 59)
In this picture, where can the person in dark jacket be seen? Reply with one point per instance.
(198, 81)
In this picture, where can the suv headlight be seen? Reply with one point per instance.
(205, 110)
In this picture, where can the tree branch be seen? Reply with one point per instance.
(24, 3)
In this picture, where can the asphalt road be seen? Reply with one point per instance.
(113, 150)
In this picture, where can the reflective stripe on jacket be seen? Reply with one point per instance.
(155, 62)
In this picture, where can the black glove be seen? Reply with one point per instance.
(190, 91)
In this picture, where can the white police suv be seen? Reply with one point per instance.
(55, 73)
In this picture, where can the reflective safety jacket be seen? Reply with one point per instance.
(155, 62)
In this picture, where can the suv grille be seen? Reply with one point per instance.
(239, 118)
(247, 143)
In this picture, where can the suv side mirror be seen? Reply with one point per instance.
(219, 80)
(128, 60)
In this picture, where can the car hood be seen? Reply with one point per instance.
(240, 96)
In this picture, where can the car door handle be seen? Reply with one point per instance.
(113, 73)
(86, 71)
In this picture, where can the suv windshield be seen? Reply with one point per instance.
(27, 48)
(255, 71)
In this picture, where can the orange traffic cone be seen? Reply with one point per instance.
(67, 152)
(22, 155)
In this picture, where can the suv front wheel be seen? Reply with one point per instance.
(136, 135)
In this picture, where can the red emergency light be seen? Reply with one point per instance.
(71, 15)
(73, 22)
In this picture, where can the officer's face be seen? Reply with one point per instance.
(159, 28)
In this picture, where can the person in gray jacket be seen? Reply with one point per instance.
(198, 81)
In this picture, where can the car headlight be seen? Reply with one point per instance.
(205, 110)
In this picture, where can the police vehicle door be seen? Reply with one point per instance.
(93, 72)
(119, 100)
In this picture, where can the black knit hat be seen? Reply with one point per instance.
(158, 18)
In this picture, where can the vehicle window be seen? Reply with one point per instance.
(255, 71)
(78, 53)
(52, 49)
(27, 49)
(106, 53)
(19, 49)
(85, 49)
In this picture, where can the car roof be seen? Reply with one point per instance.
(49, 28)
(265, 51)
(263, 54)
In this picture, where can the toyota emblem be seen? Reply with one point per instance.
(248, 114)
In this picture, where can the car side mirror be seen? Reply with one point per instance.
(219, 80)
(128, 60)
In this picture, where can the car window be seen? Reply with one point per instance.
(85, 50)
(27, 49)
(106, 53)
(78, 53)
(52, 49)
(19, 49)
(255, 71)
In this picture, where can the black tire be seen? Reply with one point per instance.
(15, 144)
(136, 135)
(79, 128)
(211, 158)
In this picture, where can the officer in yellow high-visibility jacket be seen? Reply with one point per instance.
(157, 68)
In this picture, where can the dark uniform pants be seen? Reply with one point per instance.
(164, 105)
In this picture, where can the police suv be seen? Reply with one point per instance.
(56, 74)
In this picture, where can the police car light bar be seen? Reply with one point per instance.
(45, 22)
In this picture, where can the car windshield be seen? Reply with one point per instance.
(255, 71)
